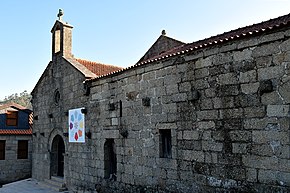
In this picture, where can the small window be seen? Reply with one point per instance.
(56, 97)
(22, 151)
(165, 143)
(2, 150)
(11, 118)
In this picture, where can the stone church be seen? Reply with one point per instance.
(207, 116)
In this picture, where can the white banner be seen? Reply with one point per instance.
(76, 124)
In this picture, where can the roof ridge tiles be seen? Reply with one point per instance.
(93, 62)
(236, 33)
(12, 104)
(99, 69)
(241, 32)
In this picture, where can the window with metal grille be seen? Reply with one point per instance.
(22, 151)
(11, 118)
(2, 149)
(165, 143)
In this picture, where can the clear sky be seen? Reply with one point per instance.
(115, 32)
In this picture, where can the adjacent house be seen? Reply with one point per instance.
(207, 116)
(15, 142)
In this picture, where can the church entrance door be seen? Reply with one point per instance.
(57, 157)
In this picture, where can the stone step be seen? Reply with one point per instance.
(57, 179)
(54, 187)
(55, 183)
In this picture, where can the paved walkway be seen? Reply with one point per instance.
(26, 186)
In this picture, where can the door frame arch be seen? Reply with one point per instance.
(54, 150)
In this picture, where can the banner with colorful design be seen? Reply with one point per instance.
(76, 125)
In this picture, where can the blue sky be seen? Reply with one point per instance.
(112, 32)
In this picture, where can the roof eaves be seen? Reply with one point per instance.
(218, 39)
(16, 131)
(81, 68)
(13, 105)
(98, 68)
(60, 22)
(239, 33)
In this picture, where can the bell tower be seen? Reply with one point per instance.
(61, 37)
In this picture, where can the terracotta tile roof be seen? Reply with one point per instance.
(16, 131)
(90, 70)
(98, 68)
(12, 104)
(244, 32)
(239, 33)
(80, 67)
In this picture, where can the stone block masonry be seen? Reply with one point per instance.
(231, 136)
(12, 168)
(212, 120)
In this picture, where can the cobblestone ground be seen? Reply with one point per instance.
(26, 186)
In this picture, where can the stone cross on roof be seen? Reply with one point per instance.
(60, 14)
(163, 32)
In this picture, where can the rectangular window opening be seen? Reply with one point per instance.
(11, 118)
(2, 149)
(121, 109)
(22, 151)
(165, 143)
(110, 160)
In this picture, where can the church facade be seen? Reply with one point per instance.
(208, 116)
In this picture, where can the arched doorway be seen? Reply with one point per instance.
(57, 156)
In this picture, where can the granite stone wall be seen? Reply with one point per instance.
(52, 115)
(11, 168)
(228, 111)
(226, 108)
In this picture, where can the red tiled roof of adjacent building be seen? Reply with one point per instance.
(12, 104)
(27, 131)
(244, 32)
(98, 68)
(16, 131)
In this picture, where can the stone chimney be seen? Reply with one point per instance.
(61, 38)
